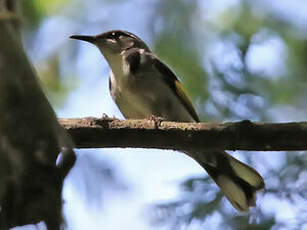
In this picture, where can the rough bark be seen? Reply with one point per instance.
(30, 137)
(245, 135)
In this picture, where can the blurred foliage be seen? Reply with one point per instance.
(91, 169)
(176, 44)
(56, 85)
(56, 88)
(31, 14)
(46, 7)
(238, 59)
(35, 11)
(233, 90)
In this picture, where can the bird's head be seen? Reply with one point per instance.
(113, 43)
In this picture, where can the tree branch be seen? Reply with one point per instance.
(100, 133)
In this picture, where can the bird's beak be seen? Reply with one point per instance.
(90, 39)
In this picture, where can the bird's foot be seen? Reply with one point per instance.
(106, 117)
(157, 120)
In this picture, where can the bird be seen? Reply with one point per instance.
(143, 86)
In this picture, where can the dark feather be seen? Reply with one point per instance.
(170, 78)
(110, 84)
(133, 60)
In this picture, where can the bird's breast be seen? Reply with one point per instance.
(139, 97)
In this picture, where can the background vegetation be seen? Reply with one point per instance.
(238, 59)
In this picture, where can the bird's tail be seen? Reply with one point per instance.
(237, 181)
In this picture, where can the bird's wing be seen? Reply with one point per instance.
(172, 81)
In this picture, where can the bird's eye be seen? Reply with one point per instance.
(113, 35)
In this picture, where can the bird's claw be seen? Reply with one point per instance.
(105, 116)
(157, 120)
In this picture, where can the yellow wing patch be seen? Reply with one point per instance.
(185, 100)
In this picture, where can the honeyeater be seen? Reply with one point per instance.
(143, 86)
